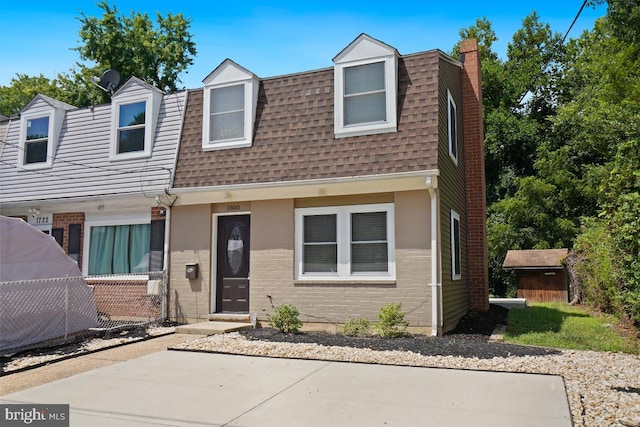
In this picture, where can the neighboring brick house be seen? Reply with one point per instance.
(93, 177)
(337, 190)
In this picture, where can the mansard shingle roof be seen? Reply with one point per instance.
(294, 133)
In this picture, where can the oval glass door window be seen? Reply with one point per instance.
(235, 249)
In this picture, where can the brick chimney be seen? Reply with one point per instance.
(477, 258)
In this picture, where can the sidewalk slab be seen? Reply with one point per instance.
(194, 389)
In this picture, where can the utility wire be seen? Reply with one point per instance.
(584, 3)
(574, 21)
(103, 168)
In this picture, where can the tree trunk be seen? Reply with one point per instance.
(576, 285)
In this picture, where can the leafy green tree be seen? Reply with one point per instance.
(520, 95)
(135, 46)
(21, 91)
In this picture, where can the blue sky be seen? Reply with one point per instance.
(273, 38)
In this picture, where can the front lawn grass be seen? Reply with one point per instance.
(563, 326)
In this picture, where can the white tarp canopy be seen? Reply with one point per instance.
(42, 292)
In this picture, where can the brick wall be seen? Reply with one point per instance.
(125, 300)
(477, 258)
(63, 220)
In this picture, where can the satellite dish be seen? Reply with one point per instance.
(108, 82)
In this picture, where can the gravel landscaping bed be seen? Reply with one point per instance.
(39, 356)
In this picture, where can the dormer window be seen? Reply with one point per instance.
(37, 140)
(40, 126)
(365, 97)
(131, 125)
(134, 113)
(365, 75)
(226, 119)
(229, 107)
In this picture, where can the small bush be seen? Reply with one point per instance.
(356, 327)
(391, 323)
(285, 319)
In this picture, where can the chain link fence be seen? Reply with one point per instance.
(47, 312)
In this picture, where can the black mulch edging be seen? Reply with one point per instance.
(469, 339)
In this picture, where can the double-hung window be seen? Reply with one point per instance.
(40, 127)
(37, 140)
(366, 85)
(365, 98)
(226, 117)
(452, 127)
(345, 242)
(456, 251)
(230, 102)
(135, 109)
(131, 127)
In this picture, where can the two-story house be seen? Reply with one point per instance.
(336, 190)
(96, 178)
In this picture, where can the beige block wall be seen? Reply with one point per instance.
(272, 267)
(190, 242)
(272, 255)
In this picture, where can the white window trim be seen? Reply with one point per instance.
(456, 254)
(391, 89)
(52, 138)
(451, 141)
(152, 105)
(250, 91)
(344, 241)
(130, 219)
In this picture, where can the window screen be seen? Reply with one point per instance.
(131, 124)
(364, 94)
(369, 252)
(227, 113)
(320, 246)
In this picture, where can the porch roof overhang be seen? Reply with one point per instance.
(111, 203)
(340, 186)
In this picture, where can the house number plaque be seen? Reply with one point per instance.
(40, 220)
(233, 208)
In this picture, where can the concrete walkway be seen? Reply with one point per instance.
(172, 388)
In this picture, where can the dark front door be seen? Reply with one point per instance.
(232, 282)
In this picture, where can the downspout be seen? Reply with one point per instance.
(165, 263)
(436, 286)
(167, 221)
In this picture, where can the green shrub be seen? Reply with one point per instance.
(356, 327)
(391, 323)
(285, 319)
(598, 267)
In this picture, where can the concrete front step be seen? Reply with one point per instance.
(230, 317)
(212, 327)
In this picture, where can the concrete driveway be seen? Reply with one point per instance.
(173, 388)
